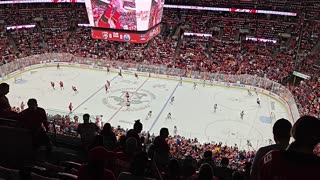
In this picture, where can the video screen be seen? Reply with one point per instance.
(135, 15)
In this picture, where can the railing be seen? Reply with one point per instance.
(261, 84)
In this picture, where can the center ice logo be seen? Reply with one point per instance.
(138, 100)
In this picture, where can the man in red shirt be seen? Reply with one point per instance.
(35, 119)
(298, 161)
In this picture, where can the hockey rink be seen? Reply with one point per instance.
(192, 110)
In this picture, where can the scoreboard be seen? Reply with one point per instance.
(125, 20)
(135, 15)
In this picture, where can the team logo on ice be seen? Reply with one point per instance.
(138, 100)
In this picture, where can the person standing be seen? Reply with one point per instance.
(35, 119)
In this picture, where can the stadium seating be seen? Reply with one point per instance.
(227, 51)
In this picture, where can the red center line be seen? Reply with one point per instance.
(114, 114)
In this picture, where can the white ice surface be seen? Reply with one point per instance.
(192, 111)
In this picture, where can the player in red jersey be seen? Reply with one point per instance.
(70, 107)
(52, 84)
(98, 121)
(22, 106)
(61, 85)
(136, 75)
(127, 96)
(108, 68)
(74, 89)
(106, 88)
(297, 162)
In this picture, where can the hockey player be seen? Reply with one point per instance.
(108, 83)
(204, 83)
(136, 75)
(22, 106)
(128, 103)
(255, 90)
(127, 95)
(149, 113)
(74, 89)
(241, 114)
(171, 100)
(58, 66)
(249, 93)
(258, 102)
(108, 68)
(70, 107)
(215, 106)
(120, 73)
(168, 116)
(180, 81)
(175, 130)
(52, 84)
(194, 85)
(61, 85)
(106, 88)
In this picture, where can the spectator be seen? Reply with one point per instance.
(87, 131)
(138, 168)
(281, 135)
(5, 108)
(161, 148)
(124, 158)
(35, 119)
(246, 172)
(187, 167)
(109, 137)
(173, 172)
(4, 102)
(236, 175)
(207, 158)
(94, 169)
(223, 172)
(206, 172)
(137, 128)
(298, 161)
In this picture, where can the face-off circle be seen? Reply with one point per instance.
(138, 100)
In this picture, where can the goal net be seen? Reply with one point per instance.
(18, 79)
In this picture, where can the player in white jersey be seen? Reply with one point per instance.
(249, 93)
(175, 130)
(168, 116)
(194, 85)
(204, 83)
(258, 102)
(215, 106)
(149, 114)
(241, 114)
(180, 81)
(171, 100)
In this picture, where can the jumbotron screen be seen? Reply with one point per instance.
(135, 15)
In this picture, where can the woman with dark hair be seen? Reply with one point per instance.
(109, 137)
(205, 172)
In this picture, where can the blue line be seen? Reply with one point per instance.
(93, 94)
(165, 105)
